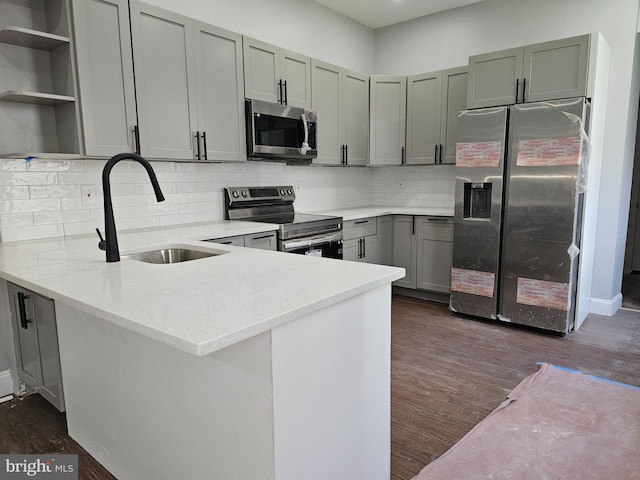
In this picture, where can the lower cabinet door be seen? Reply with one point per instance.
(434, 253)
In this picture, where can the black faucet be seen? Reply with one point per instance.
(110, 245)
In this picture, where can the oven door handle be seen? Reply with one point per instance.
(297, 243)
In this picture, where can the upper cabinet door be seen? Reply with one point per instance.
(355, 118)
(424, 100)
(105, 74)
(296, 79)
(454, 100)
(165, 84)
(326, 89)
(494, 78)
(557, 69)
(220, 93)
(388, 119)
(261, 71)
(276, 75)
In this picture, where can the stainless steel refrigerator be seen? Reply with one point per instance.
(520, 180)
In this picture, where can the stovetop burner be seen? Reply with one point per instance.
(275, 205)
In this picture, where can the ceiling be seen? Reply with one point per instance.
(381, 13)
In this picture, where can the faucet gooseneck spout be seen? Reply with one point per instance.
(111, 239)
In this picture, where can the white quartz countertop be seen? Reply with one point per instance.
(380, 210)
(198, 306)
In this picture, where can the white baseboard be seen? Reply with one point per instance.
(6, 383)
(606, 307)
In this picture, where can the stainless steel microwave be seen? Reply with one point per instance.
(280, 132)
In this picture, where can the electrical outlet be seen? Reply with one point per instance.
(88, 197)
(401, 184)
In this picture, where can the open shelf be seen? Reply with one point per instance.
(26, 37)
(35, 98)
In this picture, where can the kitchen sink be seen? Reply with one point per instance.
(173, 255)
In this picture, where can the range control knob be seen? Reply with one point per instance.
(236, 194)
(282, 191)
(289, 191)
(245, 193)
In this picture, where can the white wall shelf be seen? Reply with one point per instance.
(35, 98)
(25, 37)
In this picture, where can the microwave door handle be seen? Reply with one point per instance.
(305, 144)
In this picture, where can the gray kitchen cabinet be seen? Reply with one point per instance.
(434, 237)
(341, 99)
(189, 87)
(220, 93)
(454, 100)
(37, 80)
(424, 104)
(384, 236)
(433, 102)
(105, 76)
(276, 75)
(404, 249)
(36, 343)
(544, 71)
(237, 240)
(360, 240)
(163, 50)
(388, 104)
(264, 241)
(356, 118)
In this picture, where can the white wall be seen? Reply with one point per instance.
(300, 25)
(447, 39)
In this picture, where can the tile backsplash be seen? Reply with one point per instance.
(51, 198)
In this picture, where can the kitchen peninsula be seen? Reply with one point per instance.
(247, 364)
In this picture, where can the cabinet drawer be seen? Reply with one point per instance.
(238, 240)
(264, 241)
(359, 228)
(436, 228)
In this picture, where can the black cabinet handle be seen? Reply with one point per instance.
(441, 154)
(402, 156)
(517, 89)
(262, 237)
(435, 155)
(24, 321)
(198, 145)
(364, 248)
(342, 155)
(280, 100)
(286, 96)
(359, 222)
(346, 154)
(136, 138)
(204, 144)
(413, 225)
(524, 88)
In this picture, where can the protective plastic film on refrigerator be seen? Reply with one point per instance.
(521, 172)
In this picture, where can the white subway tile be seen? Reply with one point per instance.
(30, 205)
(8, 193)
(79, 178)
(48, 165)
(54, 191)
(31, 233)
(13, 165)
(178, 219)
(28, 178)
(15, 220)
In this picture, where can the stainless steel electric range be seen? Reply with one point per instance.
(317, 235)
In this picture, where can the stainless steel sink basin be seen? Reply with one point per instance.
(172, 255)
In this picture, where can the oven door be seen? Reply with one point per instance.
(326, 245)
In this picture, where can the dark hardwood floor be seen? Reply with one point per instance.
(447, 374)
